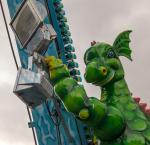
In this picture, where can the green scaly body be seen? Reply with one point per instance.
(115, 118)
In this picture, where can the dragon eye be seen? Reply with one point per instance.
(110, 54)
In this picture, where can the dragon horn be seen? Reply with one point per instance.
(93, 43)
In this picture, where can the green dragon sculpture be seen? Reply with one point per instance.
(117, 119)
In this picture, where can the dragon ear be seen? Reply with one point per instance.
(121, 44)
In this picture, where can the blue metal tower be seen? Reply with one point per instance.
(52, 123)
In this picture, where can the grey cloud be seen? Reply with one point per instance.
(13, 121)
(14, 118)
(89, 20)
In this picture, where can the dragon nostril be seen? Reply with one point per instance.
(103, 70)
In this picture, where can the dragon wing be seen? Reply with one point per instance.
(121, 44)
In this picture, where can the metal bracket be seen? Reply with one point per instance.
(32, 124)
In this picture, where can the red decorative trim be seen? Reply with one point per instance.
(144, 108)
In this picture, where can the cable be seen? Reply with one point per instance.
(59, 114)
(12, 49)
(11, 45)
(70, 138)
(34, 136)
(56, 123)
(52, 115)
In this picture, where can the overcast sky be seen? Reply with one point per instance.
(99, 20)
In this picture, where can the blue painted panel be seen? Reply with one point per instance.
(14, 6)
(45, 127)
(47, 131)
(70, 121)
(51, 50)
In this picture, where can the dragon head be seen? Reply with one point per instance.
(102, 61)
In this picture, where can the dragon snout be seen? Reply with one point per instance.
(98, 74)
(95, 73)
